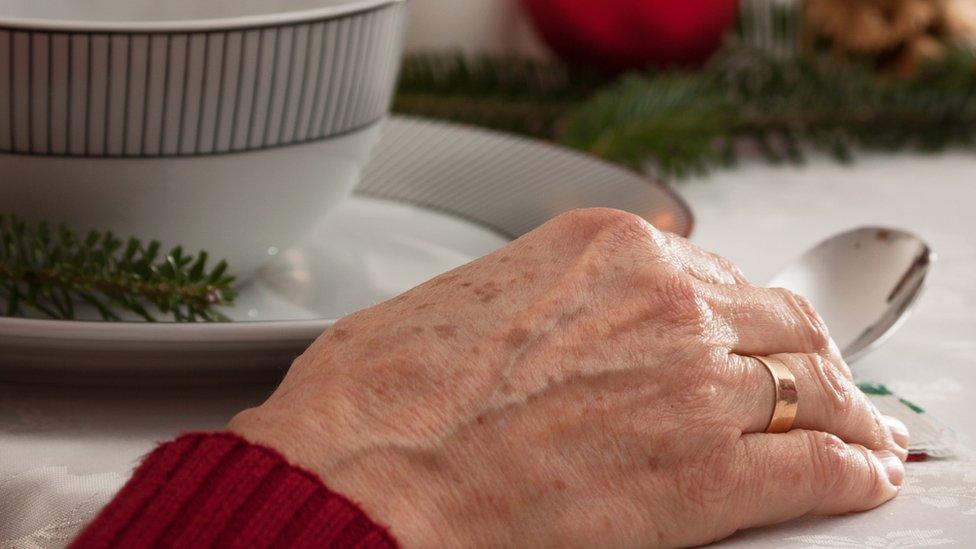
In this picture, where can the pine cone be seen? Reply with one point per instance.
(897, 35)
(868, 26)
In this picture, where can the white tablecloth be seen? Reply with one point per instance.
(64, 451)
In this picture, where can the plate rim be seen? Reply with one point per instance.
(46, 329)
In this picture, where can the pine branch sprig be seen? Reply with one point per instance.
(52, 271)
(524, 96)
(748, 99)
(781, 107)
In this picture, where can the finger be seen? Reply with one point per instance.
(705, 266)
(826, 401)
(766, 321)
(809, 472)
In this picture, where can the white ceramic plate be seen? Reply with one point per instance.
(435, 196)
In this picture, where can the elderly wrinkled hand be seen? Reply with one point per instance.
(593, 382)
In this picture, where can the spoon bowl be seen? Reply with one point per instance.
(863, 282)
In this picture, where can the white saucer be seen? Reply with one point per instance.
(435, 197)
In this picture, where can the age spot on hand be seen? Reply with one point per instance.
(487, 292)
(516, 337)
(445, 331)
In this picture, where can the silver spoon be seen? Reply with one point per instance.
(863, 282)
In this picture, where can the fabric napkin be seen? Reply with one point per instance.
(929, 437)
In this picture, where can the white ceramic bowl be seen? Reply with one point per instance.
(228, 126)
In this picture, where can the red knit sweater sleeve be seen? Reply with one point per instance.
(217, 489)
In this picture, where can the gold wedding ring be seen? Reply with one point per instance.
(784, 411)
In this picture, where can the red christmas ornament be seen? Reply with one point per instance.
(633, 34)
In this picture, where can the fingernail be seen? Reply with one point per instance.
(898, 430)
(892, 466)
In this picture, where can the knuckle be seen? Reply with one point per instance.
(714, 361)
(831, 462)
(861, 477)
(710, 478)
(876, 433)
(683, 303)
(844, 403)
(681, 288)
(838, 396)
(707, 381)
(598, 220)
(622, 237)
(876, 480)
(730, 267)
(812, 325)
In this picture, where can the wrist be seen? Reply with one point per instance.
(266, 426)
(391, 485)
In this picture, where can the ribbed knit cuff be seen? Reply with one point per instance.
(218, 489)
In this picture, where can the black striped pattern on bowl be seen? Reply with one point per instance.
(196, 93)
